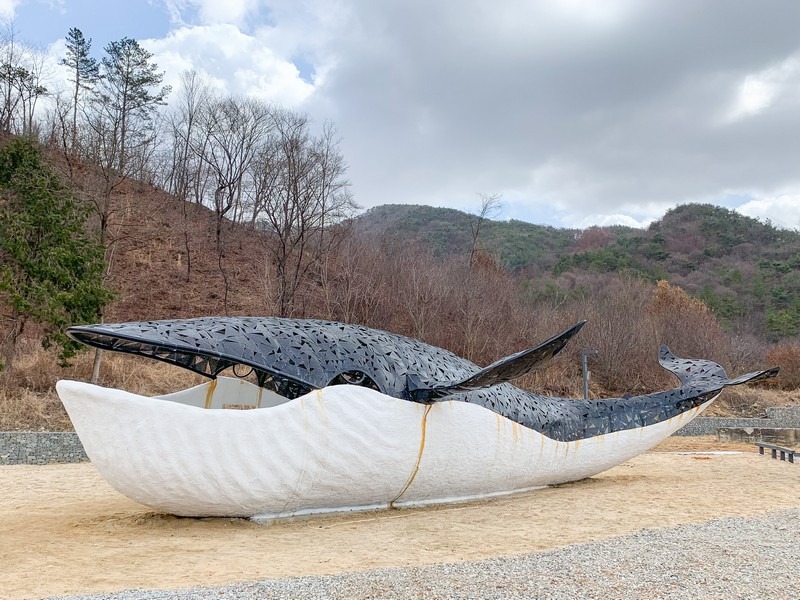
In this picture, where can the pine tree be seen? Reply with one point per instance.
(126, 96)
(51, 267)
(84, 70)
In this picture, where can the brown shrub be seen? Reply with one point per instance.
(787, 357)
(686, 325)
(620, 329)
(593, 238)
(739, 402)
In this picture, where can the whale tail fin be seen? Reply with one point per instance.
(706, 373)
(506, 369)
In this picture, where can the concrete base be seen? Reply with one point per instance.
(781, 436)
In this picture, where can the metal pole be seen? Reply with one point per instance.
(585, 368)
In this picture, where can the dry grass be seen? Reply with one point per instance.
(558, 378)
(24, 410)
(134, 374)
(750, 401)
(29, 400)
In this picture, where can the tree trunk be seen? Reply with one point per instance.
(8, 349)
(98, 359)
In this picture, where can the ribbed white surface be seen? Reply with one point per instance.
(343, 447)
(471, 452)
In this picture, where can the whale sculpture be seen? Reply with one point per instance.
(352, 418)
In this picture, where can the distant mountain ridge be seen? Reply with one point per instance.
(518, 244)
(747, 271)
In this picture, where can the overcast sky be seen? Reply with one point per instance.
(578, 112)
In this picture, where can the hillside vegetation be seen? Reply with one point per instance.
(747, 272)
(520, 246)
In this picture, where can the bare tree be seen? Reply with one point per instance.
(183, 122)
(424, 290)
(300, 198)
(118, 133)
(490, 206)
(472, 310)
(353, 284)
(11, 70)
(32, 88)
(22, 74)
(619, 328)
(125, 98)
(230, 132)
(182, 168)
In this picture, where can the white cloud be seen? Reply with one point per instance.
(782, 209)
(211, 12)
(615, 219)
(600, 14)
(758, 91)
(230, 11)
(579, 115)
(238, 63)
(755, 94)
(8, 9)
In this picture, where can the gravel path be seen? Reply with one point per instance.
(726, 558)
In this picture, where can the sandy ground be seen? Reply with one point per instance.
(64, 530)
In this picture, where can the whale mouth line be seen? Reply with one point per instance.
(203, 362)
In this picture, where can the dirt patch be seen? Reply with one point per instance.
(66, 531)
(702, 443)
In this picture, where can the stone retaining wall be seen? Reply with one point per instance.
(710, 425)
(777, 416)
(40, 448)
(789, 416)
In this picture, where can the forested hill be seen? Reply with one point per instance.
(747, 271)
(519, 245)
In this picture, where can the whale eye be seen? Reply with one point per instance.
(354, 378)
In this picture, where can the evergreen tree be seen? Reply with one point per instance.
(51, 268)
(126, 97)
(84, 70)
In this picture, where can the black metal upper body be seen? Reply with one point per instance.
(292, 357)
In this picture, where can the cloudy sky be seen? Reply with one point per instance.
(578, 112)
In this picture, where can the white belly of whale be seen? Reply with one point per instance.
(335, 449)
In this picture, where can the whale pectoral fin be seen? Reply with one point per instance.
(506, 369)
(694, 372)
